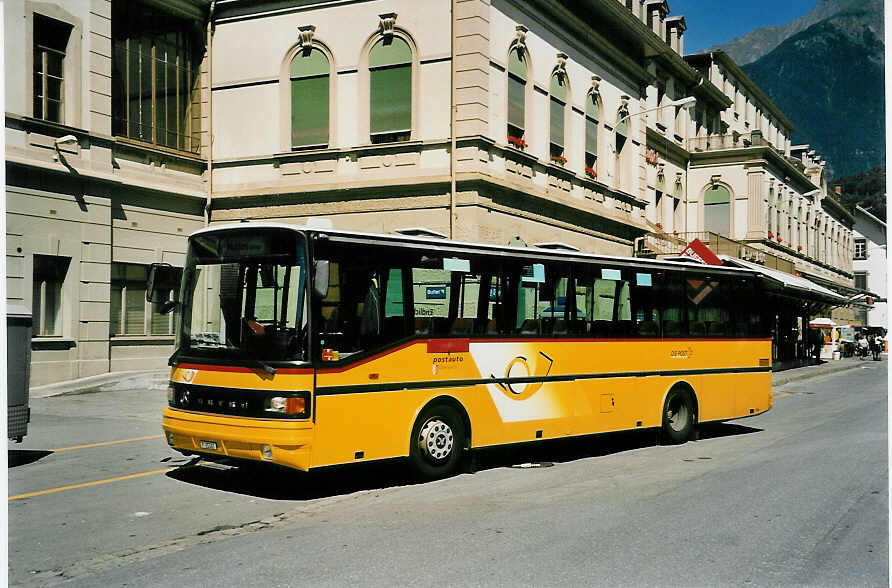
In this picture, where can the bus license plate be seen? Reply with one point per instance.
(208, 445)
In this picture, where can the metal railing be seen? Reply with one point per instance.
(665, 244)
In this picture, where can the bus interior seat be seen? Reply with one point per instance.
(529, 327)
(491, 328)
(578, 326)
(718, 329)
(648, 329)
(560, 327)
(671, 329)
(698, 329)
(423, 325)
(462, 326)
(600, 328)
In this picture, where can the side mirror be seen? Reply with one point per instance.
(320, 278)
(163, 278)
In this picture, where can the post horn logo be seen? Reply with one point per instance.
(521, 381)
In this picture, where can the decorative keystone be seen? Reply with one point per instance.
(386, 24)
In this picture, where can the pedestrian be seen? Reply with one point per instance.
(876, 346)
(863, 346)
(817, 341)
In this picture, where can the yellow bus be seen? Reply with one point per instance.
(310, 347)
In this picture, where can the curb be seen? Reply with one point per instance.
(83, 384)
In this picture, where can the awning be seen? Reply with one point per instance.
(797, 285)
(854, 295)
(823, 323)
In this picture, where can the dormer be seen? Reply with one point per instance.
(675, 28)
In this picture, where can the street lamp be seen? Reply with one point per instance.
(685, 103)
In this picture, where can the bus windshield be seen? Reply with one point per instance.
(243, 295)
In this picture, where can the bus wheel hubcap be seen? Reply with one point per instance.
(436, 439)
(677, 414)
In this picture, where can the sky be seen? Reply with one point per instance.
(713, 22)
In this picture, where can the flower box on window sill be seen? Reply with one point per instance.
(799, 248)
(780, 239)
(591, 173)
(770, 235)
(517, 142)
(558, 159)
(659, 227)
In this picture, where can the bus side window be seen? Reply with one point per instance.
(673, 313)
(432, 290)
(645, 309)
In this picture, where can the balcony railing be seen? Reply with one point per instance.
(664, 244)
(733, 140)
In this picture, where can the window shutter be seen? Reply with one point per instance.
(391, 99)
(390, 77)
(557, 123)
(517, 82)
(309, 111)
(516, 102)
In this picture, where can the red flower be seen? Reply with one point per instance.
(770, 235)
(517, 142)
(799, 248)
(591, 172)
(559, 159)
(659, 226)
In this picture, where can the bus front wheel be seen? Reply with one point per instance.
(438, 439)
(678, 416)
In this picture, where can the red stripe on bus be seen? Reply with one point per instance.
(240, 369)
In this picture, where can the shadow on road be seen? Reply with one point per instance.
(20, 457)
(278, 483)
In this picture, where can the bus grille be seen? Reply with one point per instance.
(228, 401)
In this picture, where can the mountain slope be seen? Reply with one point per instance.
(759, 42)
(829, 80)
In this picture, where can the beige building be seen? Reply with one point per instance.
(130, 124)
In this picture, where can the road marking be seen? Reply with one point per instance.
(86, 484)
(101, 443)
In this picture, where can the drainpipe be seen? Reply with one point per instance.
(452, 116)
(210, 46)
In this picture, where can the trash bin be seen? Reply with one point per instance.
(18, 370)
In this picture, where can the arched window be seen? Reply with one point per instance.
(557, 104)
(517, 93)
(592, 116)
(390, 83)
(309, 74)
(717, 211)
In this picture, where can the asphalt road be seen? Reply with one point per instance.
(797, 496)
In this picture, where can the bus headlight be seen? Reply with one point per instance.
(293, 405)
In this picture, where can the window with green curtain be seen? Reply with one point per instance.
(517, 93)
(591, 130)
(557, 103)
(717, 211)
(390, 79)
(309, 99)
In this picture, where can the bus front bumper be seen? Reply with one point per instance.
(276, 441)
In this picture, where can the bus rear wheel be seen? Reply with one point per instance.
(678, 416)
(438, 439)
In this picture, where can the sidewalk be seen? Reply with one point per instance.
(147, 380)
(784, 377)
(157, 379)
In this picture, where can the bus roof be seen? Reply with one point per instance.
(453, 246)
